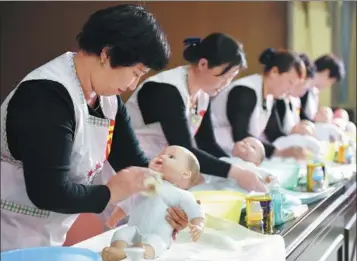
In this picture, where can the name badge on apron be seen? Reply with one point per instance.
(110, 138)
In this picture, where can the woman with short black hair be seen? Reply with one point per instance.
(286, 111)
(173, 107)
(329, 70)
(56, 129)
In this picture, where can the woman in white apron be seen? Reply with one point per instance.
(244, 107)
(329, 70)
(286, 112)
(172, 107)
(57, 128)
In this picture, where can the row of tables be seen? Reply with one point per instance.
(327, 232)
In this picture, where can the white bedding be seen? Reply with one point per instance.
(231, 243)
(285, 170)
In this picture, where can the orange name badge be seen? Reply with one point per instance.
(109, 138)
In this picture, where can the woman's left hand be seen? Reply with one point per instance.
(177, 219)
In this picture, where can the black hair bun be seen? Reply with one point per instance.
(191, 52)
(266, 56)
(191, 41)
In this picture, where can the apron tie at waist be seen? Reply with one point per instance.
(11, 161)
(23, 209)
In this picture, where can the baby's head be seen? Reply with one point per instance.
(250, 149)
(341, 114)
(324, 115)
(351, 127)
(178, 165)
(304, 127)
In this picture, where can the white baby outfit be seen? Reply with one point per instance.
(298, 140)
(324, 131)
(147, 216)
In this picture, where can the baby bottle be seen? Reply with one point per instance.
(349, 153)
(278, 199)
(318, 179)
(255, 217)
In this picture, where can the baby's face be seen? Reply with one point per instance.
(324, 115)
(173, 164)
(250, 149)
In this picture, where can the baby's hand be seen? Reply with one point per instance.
(195, 231)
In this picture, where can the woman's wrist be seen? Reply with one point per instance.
(234, 171)
(110, 201)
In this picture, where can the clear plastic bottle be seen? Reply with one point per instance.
(255, 217)
(278, 199)
(349, 153)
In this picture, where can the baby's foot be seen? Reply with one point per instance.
(113, 254)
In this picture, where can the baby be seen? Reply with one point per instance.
(250, 153)
(341, 114)
(301, 135)
(325, 130)
(249, 149)
(350, 128)
(147, 226)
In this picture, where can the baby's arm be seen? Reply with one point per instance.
(194, 213)
(117, 215)
(121, 210)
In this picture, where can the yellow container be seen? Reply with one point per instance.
(226, 205)
(340, 155)
(329, 150)
(265, 201)
(310, 170)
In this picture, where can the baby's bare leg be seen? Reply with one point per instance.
(115, 252)
(149, 250)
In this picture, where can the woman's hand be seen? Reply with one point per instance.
(177, 219)
(127, 182)
(247, 179)
(291, 152)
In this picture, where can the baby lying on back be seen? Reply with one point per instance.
(325, 130)
(250, 153)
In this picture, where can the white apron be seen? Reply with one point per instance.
(312, 103)
(151, 137)
(296, 105)
(24, 225)
(258, 119)
(289, 120)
